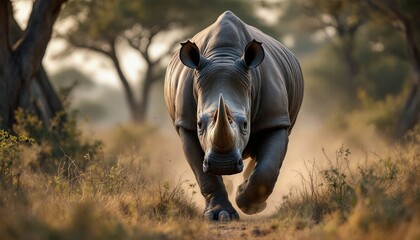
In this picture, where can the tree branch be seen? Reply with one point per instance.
(144, 52)
(398, 14)
(353, 28)
(54, 102)
(391, 11)
(87, 46)
(380, 8)
(127, 88)
(135, 47)
(29, 53)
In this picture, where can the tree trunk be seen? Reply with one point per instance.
(18, 65)
(410, 115)
(5, 61)
(33, 101)
(132, 104)
(145, 93)
(352, 69)
(53, 102)
(41, 99)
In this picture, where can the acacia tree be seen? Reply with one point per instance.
(378, 19)
(404, 16)
(103, 26)
(346, 18)
(21, 56)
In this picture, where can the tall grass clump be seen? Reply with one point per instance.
(54, 183)
(382, 194)
(171, 201)
(321, 192)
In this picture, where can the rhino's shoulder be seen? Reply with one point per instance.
(179, 95)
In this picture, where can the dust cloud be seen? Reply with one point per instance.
(311, 136)
(312, 139)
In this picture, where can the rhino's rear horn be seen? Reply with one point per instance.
(223, 138)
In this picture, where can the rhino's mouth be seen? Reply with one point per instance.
(223, 163)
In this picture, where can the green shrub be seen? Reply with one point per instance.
(339, 189)
(60, 143)
(10, 158)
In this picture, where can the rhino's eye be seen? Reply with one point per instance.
(244, 127)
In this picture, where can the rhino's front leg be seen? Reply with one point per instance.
(212, 188)
(252, 194)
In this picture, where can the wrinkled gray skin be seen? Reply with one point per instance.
(233, 93)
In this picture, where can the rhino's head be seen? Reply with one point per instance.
(222, 88)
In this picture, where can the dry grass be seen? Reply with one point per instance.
(86, 193)
(121, 192)
(378, 199)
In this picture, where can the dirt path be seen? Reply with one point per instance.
(245, 229)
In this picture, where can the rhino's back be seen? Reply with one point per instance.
(277, 83)
(280, 85)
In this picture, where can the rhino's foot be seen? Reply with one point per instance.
(246, 204)
(220, 211)
(251, 208)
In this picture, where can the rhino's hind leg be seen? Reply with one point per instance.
(218, 207)
(252, 194)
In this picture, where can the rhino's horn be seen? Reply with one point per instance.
(223, 138)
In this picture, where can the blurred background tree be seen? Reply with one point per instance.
(403, 15)
(103, 26)
(359, 58)
(340, 21)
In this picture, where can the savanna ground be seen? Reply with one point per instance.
(350, 177)
(58, 184)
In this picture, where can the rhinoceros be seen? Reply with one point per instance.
(233, 93)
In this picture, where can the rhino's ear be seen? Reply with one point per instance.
(189, 54)
(254, 54)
